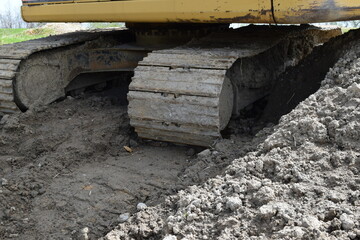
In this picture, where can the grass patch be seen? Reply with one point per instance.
(346, 29)
(95, 25)
(8, 35)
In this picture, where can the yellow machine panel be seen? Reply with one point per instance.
(195, 11)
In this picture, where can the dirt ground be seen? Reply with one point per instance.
(64, 168)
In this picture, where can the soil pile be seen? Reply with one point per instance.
(302, 182)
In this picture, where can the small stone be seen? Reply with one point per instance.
(352, 235)
(354, 89)
(4, 182)
(336, 224)
(141, 206)
(133, 143)
(233, 203)
(85, 230)
(311, 222)
(204, 153)
(190, 152)
(264, 195)
(346, 222)
(259, 165)
(4, 119)
(123, 217)
(253, 184)
(290, 232)
(219, 208)
(176, 229)
(215, 153)
(336, 196)
(84, 233)
(170, 237)
(267, 211)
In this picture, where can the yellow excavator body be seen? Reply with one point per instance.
(191, 11)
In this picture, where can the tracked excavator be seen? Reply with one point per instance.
(190, 73)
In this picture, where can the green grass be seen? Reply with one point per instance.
(346, 29)
(105, 25)
(8, 35)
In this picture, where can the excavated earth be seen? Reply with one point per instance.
(65, 174)
(301, 182)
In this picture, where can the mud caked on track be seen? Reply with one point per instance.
(65, 173)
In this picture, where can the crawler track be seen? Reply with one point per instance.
(186, 94)
(12, 56)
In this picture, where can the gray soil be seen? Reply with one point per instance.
(64, 168)
(301, 182)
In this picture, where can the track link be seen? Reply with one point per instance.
(187, 94)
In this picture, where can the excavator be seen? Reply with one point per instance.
(189, 73)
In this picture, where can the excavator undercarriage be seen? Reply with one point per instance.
(186, 83)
